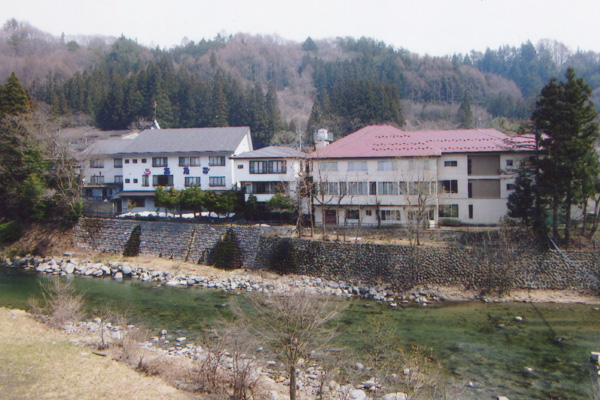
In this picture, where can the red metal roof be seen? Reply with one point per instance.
(389, 141)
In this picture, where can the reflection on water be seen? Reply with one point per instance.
(546, 355)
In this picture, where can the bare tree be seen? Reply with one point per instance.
(421, 197)
(292, 326)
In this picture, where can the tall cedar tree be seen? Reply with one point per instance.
(565, 125)
(464, 116)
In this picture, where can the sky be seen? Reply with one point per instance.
(434, 27)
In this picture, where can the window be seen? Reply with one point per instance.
(510, 186)
(127, 180)
(277, 167)
(266, 187)
(97, 179)
(373, 188)
(118, 178)
(145, 180)
(162, 180)
(419, 188)
(329, 188)
(352, 214)
(328, 166)
(368, 213)
(189, 161)
(388, 188)
(448, 211)
(216, 161)
(267, 167)
(135, 160)
(470, 211)
(97, 163)
(160, 161)
(216, 181)
(357, 166)
(452, 163)
(450, 186)
(137, 202)
(144, 161)
(388, 165)
(118, 163)
(127, 161)
(357, 188)
(422, 165)
(258, 167)
(509, 163)
(390, 215)
(192, 181)
(240, 166)
(135, 180)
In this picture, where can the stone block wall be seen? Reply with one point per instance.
(403, 266)
(396, 265)
(181, 241)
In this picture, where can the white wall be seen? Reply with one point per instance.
(243, 175)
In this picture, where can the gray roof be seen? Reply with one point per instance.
(272, 152)
(218, 140)
(187, 140)
(108, 146)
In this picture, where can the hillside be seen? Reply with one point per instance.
(275, 85)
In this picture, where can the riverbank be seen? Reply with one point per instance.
(43, 363)
(179, 273)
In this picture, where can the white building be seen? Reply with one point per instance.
(269, 170)
(126, 171)
(381, 174)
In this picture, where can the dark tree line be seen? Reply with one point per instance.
(38, 177)
(182, 100)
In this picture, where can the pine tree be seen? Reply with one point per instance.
(14, 99)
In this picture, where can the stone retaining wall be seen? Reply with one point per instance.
(396, 265)
(182, 241)
(403, 266)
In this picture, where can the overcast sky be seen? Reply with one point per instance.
(434, 27)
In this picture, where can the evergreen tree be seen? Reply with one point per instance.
(521, 200)
(464, 116)
(565, 123)
(14, 99)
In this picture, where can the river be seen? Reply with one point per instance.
(480, 345)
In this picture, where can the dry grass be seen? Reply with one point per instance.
(40, 363)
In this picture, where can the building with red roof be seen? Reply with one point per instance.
(383, 175)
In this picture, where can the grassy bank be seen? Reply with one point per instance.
(42, 363)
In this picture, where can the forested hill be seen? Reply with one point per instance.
(274, 85)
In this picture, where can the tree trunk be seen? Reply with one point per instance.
(568, 219)
(584, 218)
(293, 382)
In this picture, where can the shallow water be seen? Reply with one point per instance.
(476, 342)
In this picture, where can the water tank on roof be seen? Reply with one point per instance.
(323, 136)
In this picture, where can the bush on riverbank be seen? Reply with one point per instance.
(60, 303)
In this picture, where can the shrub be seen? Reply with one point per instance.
(284, 258)
(10, 232)
(449, 222)
(227, 253)
(60, 303)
